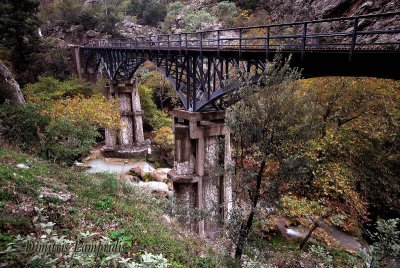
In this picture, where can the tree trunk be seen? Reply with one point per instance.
(315, 226)
(9, 88)
(245, 228)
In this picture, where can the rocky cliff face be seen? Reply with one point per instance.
(275, 11)
(300, 10)
(9, 88)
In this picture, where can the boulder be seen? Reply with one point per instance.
(142, 169)
(91, 34)
(9, 88)
(161, 174)
(22, 166)
(60, 195)
(155, 187)
(129, 179)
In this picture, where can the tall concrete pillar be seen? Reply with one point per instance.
(129, 141)
(197, 167)
(137, 118)
(75, 51)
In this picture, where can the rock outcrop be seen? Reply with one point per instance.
(9, 88)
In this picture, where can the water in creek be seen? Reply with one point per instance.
(118, 167)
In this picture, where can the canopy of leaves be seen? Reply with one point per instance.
(165, 138)
(49, 88)
(96, 111)
(332, 145)
(184, 17)
(227, 13)
(19, 33)
(153, 118)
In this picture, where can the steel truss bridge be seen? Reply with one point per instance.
(198, 64)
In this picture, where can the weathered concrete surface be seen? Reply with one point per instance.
(198, 175)
(129, 142)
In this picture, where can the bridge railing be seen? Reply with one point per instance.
(338, 33)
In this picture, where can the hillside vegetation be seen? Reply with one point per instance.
(72, 202)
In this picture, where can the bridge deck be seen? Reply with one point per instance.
(197, 64)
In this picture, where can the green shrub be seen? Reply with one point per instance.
(171, 18)
(23, 124)
(67, 141)
(154, 13)
(226, 12)
(49, 88)
(386, 243)
(152, 117)
(196, 20)
(88, 20)
(135, 8)
(51, 60)
(58, 139)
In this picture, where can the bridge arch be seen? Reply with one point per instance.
(198, 64)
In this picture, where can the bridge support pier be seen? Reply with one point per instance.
(202, 154)
(129, 141)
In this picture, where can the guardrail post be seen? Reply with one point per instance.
(201, 43)
(168, 43)
(354, 38)
(150, 43)
(186, 42)
(218, 40)
(304, 41)
(240, 42)
(158, 42)
(180, 44)
(267, 43)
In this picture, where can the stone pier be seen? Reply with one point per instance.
(129, 141)
(202, 154)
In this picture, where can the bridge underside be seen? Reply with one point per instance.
(203, 79)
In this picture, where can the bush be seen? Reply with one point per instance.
(386, 243)
(226, 12)
(88, 20)
(23, 124)
(165, 138)
(59, 139)
(135, 8)
(152, 117)
(63, 12)
(49, 88)
(154, 13)
(196, 20)
(96, 111)
(51, 60)
(171, 21)
(66, 141)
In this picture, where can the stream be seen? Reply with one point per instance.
(112, 166)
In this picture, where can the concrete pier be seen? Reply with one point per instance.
(202, 153)
(129, 141)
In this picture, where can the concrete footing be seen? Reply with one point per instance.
(202, 154)
(129, 141)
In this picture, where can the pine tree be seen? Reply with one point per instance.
(19, 30)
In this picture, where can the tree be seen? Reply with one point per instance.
(265, 124)
(227, 13)
(19, 30)
(154, 13)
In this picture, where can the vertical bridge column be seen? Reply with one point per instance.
(129, 141)
(202, 153)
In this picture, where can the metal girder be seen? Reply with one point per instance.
(199, 81)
